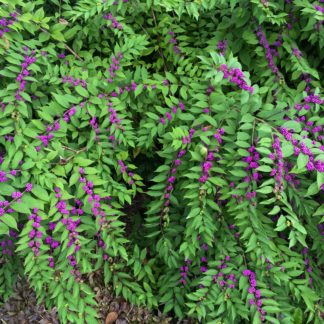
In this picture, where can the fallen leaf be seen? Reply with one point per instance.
(63, 21)
(111, 318)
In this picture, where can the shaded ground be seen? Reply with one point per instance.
(22, 308)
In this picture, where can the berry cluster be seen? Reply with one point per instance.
(236, 76)
(75, 82)
(21, 78)
(5, 23)
(114, 66)
(253, 164)
(256, 300)
(114, 23)
(207, 164)
(168, 115)
(278, 171)
(263, 41)
(35, 234)
(174, 42)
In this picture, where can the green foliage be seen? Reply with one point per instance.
(169, 148)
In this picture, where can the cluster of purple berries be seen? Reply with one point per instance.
(123, 169)
(208, 163)
(252, 161)
(114, 66)
(232, 227)
(71, 227)
(113, 117)
(310, 98)
(256, 300)
(225, 280)
(177, 163)
(263, 41)
(5, 207)
(309, 127)
(204, 262)
(52, 243)
(96, 208)
(3, 106)
(51, 129)
(184, 271)
(6, 23)
(206, 166)
(35, 234)
(291, 19)
(236, 76)
(73, 263)
(16, 196)
(203, 259)
(101, 244)
(296, 52)
(301, 147)
(114, 23)
(3, 175)
(308, 80)
(28, 60)
(319, 8)
(74, 82)
(94, 124)
(168, 115)
(222, 46)
(88, 185)
(313, 99)
(174, 42)
(88, 189)
(9, 138)
(7, 246)
(250, 194)
(276, 45)
(307, 265)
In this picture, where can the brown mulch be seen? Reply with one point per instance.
(22, 308)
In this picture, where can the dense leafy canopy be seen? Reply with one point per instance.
(174, 146)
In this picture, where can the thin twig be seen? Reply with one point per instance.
(65, 45)
(158, 36)
(73, 150)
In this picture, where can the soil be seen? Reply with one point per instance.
(22, 308)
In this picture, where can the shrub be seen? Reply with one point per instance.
(175, 147)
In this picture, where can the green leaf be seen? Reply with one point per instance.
(265, 190)
(9, 220)
(275, 210)
(40, 192)
(6, 189)
(4, 229)
(296, 126)
(20, 207)
(302, 161)
(62, 100)
(82, 91)
(298, 316)
(82, 161)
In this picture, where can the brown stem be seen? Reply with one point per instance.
(158, 37)
(65, 45)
